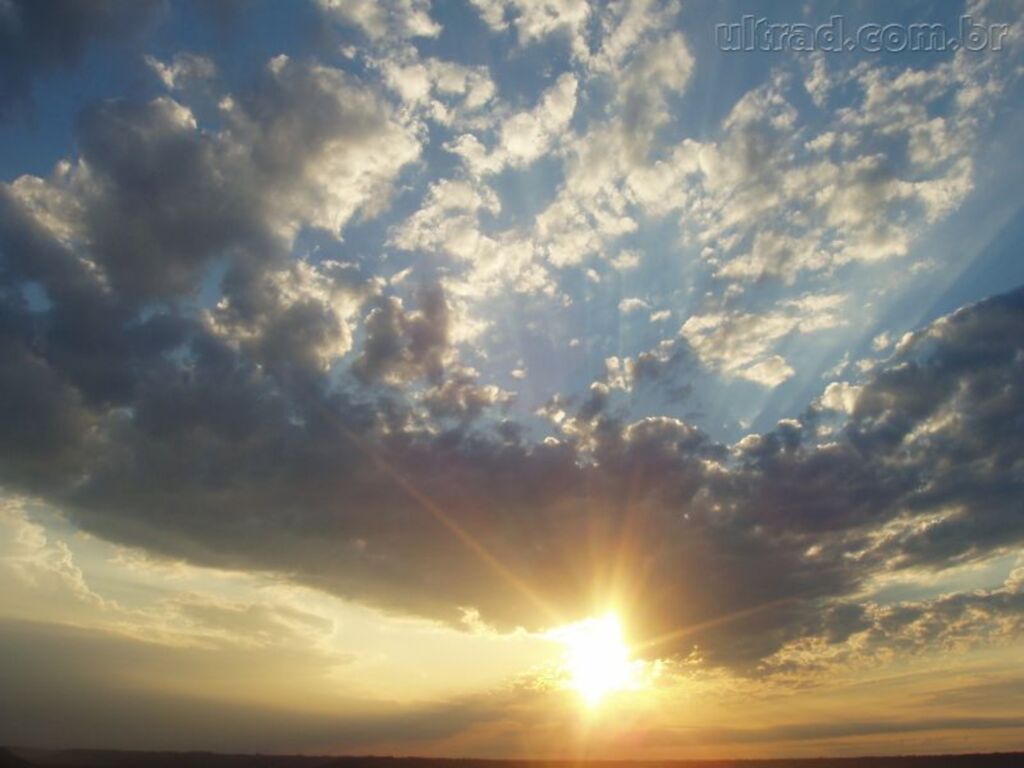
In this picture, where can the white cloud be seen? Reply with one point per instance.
(817, 81)
(610, 169)
(776, 202)
(329, 290)
(448, 220)
(882, 341)
(524, 136)
(629, 305)
(626, 260)
(769, 372)
(380, 19)
(451, 94)
(355, 144)
(840, 396)
(534, 20)
(449, 223)
(742, 344)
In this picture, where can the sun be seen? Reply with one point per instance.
(597, 658)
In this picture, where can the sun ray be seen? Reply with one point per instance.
(461, 534)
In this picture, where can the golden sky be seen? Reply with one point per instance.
(122, 649)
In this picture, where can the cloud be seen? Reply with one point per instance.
(353, 143)
(862, 634)
(38, 39)
(523, 136)
(461, 397)
(183, 70)
(401, 344)
(626, 260)
(449, 93)
(840, 396)
(770, 371)
(384, 20)
(769, 201)
(448, 222)
(297, 317)
(40, 566)
(153, 203)
(739, 343)
(642, 65)
(610, 172)
(534, 21)
(215, 457)
(243, 191)
(57, 670)
(632, 304)
(813, 730)
(311, 421)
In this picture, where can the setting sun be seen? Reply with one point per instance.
(597, 658)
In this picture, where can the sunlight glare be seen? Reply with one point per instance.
(597, 658)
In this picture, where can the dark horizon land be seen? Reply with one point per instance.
(11, 757)
(37, 758)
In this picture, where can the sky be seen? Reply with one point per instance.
(526, 378)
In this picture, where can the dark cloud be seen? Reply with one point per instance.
(220, 465)
(39, 37)
(43, 418)
(161, 199)
(403, 344)
(461, 397)
(255, 431)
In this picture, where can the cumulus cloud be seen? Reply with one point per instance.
(449, 223)
(353, 142)
(297, 318)
(449, 93)
(231, 469)
(606, 164)
(626, 260)
(153, 199)
(534, 21)
(153, 202)
(524, 136)
(387, 19)
(460, 396)
(632, 304)
(740, 343)
(610, 171)
(402, 344)
(860, 199)
(43, 567)
(448, 219)
(40, 38)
